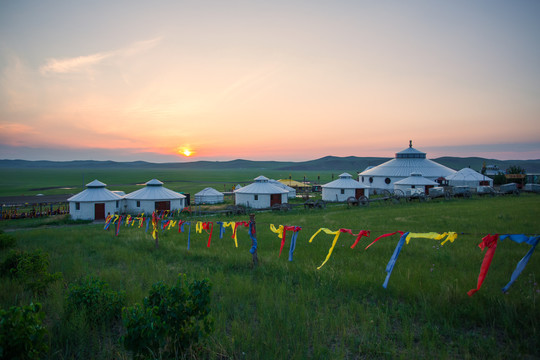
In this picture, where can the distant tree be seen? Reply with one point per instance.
(499, 179)
(514, 169)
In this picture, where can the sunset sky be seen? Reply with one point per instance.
(268, 80)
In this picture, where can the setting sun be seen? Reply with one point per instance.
(185, 152)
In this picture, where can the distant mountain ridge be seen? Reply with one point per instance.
(325, 163)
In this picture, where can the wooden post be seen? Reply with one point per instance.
(253, 233)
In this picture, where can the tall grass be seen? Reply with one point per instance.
(291, 310)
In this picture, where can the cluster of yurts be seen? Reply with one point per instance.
(409, 169)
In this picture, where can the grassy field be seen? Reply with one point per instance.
(291, 310)
(15, 182)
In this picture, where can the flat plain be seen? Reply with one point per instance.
(289, 309)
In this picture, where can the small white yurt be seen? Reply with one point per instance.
(208, 196)
(154, 197)
(469, 177)
(94, 203)
(260, 194)
(291, 191)
(417, 182)
(343, 188)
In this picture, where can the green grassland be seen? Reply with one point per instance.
(15, 182)
(291, 310)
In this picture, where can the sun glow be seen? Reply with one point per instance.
(185, 151)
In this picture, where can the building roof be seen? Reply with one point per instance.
(345, 181)
(154, 190)
(407, 162)
(261, 185)
(293, 183)
(209, 192)
(95, 192)
(416, 179)
(95, 184)
(467, 174)
(282, 185)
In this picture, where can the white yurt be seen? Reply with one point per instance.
(94, 203)
(292, 191)
(406, 162)
(415, 181)
(154, 197)
(208, 196)
(469, 177)
(343, 188)
(260, 194)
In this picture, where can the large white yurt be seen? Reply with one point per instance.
(260, 194)
(154, 197)
(208, 196)
(291, 191)
(343, 188)
(469, 177)
(415, 181)
(94, 203)
(406, 162)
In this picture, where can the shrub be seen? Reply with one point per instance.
(22, 335)
(171, 319)
(6, 241)
(98, 303)
(32, 268)
(499, 179)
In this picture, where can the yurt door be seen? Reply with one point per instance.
(275, 199)
(427, 189)
(359, 193)
(163, 205)
(99, 211)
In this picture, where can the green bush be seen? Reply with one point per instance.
(22, 335)
(499, 179)
(6, 241)
(32, 268)
(171, 319)
(98, 303)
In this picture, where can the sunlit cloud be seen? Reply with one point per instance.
(13, 133)
(88, 62)
(70, 65)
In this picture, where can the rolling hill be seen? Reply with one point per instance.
(325, 163)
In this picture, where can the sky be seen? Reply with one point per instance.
(268, 80)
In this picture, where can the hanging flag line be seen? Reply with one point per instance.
(489, 241)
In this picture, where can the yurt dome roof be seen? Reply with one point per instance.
(416, 179)
(409, 161)
(153, 182)
(345, 181)
(154, 190)
(95, 192)
(261, 185)
(209, 192)
(467, 174)
(281, 185)
(95, 184)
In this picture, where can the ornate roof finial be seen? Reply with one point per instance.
(410, 143)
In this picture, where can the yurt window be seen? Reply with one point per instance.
(370, 179)
(138, 203)
(342, 191)
(255, 197)
(387, 180)
(117, 203)
(362, 179)
(77, 206)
